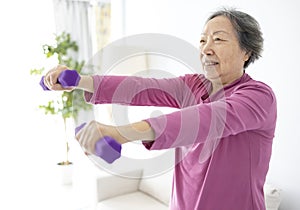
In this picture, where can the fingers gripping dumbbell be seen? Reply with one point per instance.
(106, 147)
(67, 78)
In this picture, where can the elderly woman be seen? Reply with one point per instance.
(224, 147)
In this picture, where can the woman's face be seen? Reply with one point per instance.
(221, 56)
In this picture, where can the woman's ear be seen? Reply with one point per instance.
(247, 56)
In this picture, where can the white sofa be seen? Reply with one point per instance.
(128, 193)
(120, 192)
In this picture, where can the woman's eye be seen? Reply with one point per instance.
(218, 39)
(202, 41)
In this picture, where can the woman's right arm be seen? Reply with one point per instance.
(86, 83)
(140, 91)
(128, 90)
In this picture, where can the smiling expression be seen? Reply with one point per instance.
(221, 56)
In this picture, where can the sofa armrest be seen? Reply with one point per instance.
(109, 185)
(272, 197)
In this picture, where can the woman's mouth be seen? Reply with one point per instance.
(210, 63)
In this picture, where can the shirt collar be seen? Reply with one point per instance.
(221, 93)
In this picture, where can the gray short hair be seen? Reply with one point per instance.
(248, 32)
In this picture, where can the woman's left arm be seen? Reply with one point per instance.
(93, 131)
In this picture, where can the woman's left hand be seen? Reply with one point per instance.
(90, 134)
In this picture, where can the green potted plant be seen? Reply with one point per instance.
(68, 104)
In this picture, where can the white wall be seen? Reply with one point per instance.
(278, 67)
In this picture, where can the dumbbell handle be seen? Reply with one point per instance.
(106, 147)
(67, 78)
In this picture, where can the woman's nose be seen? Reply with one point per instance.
(206, 48)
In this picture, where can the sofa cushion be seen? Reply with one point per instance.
(131, 201)
(158, 187)
(109, 185)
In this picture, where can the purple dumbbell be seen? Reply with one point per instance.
(106, 147)
(67, 78)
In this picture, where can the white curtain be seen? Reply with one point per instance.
(85, 21)
(88, 23)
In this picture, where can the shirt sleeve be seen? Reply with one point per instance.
(131, 90)
(250, 107)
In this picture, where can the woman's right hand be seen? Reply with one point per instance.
(51, 79)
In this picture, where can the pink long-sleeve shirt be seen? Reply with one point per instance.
(223, 142)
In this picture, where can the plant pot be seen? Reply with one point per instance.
(66, 172)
